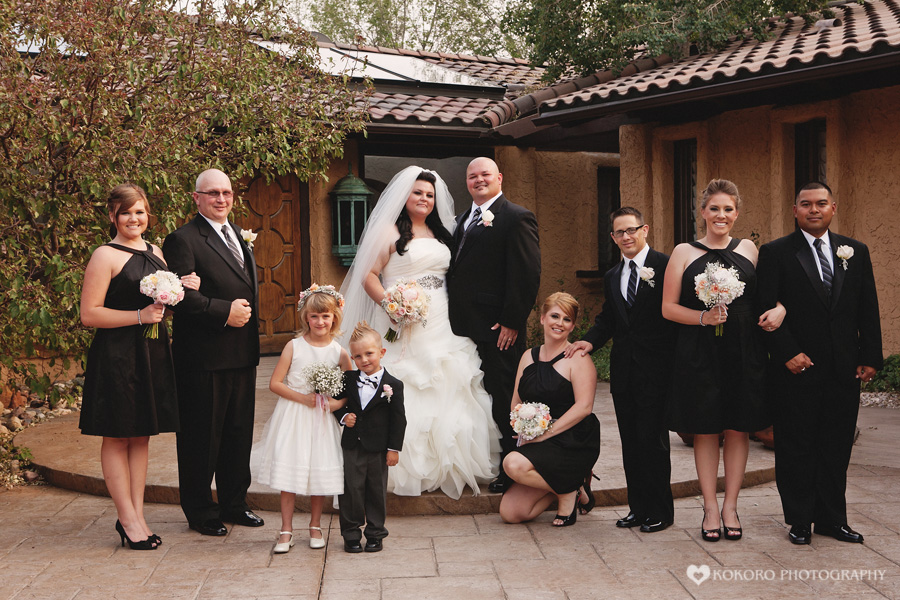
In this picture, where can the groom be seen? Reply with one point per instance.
(492, 286)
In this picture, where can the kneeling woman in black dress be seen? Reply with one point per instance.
(129, 384)
(557, 464)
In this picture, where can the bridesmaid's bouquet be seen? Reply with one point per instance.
(718, 285)
(326, 380)
(530, 420)
(165, 288)
(405, 302)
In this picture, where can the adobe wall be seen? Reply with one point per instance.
(755, 149)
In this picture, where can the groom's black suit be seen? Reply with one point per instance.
(494, 278)
(816, 410)
(640, 371)
(215, 368)
(379, 427)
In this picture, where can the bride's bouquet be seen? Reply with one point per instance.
(530, 420)
(165, 288)
(718, 285)
(405, 302)
(325, 379)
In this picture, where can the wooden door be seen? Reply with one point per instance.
(275, 212)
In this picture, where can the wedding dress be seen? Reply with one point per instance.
(451, 440)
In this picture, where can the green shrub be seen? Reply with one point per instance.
(888, 378)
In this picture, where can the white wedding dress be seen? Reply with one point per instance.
(451, 439)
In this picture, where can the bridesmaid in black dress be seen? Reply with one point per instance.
(718, 381)
(129, 386)
(557, 464)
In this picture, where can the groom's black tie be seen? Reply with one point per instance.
(827, 275)
(632, 283)
(476, 219)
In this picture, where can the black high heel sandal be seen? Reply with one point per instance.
(586, 507)
(709, 535)
(141, 545)
(732, 533)
(566, 521)
(155, 539)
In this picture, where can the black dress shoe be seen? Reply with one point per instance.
(651, 525)
(800, 535)
(840, 532)
(209, 527)
(631, 520)
(353, 546)
(373, 546)
(247, 518)
(500, 485)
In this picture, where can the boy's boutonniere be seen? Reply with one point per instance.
(844, 253)
(487, 218)
(249, 237)
(387, 393)
(647, 274)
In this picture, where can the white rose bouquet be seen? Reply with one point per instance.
(165, 288)
(405, 302)
(717, 285)
(530, 420)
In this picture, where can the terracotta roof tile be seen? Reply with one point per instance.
(864, 29)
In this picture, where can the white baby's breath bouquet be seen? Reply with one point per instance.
(324, 378)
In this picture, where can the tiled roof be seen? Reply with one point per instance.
(513, 73)
(863, 30)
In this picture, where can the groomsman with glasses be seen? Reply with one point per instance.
(830, 341)
(643, 342)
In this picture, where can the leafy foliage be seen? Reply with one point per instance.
(475, 26)
(589, 35)
(97, 92)
(888, 378)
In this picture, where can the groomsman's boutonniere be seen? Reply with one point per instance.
(647, 274)
(844, 253)
(387, 393)
(249, 237)
(487, 218)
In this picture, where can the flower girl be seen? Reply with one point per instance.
(301, 448)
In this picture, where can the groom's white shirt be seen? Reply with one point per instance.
(483, 208)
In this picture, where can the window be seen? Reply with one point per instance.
(809, 153)
(685, 179)
(608, 201)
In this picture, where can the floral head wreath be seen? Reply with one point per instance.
(320, 289)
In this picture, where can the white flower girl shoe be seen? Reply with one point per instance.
(316, 543)
(284, 547)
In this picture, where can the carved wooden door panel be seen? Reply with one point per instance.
(274, 213)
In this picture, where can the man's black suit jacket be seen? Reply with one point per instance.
(201, 339)
(495, 276)
(642, 339)
(382, 425)
(837, 333)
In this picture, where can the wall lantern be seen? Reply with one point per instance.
(351, 201)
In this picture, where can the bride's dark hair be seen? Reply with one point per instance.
(433, 221)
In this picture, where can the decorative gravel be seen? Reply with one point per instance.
(882, 399)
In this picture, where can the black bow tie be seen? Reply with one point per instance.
(364, 381)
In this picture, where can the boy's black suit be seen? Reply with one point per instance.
(643, 341)
(379, 427)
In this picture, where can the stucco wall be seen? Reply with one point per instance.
(755, 149)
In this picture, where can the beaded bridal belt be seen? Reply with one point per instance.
(430, 282)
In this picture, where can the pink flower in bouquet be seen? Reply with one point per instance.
(410, 294)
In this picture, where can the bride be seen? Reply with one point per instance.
(451, 440)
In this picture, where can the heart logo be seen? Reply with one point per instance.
(698, 574)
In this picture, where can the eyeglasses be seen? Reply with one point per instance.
(215, 194)
(630, 231)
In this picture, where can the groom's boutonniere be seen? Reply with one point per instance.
(487, 218)
(647, 274)
(387, 393)
(844, 253)
(249, 237)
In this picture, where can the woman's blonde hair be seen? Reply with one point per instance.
(721, 186)
(566, 302)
